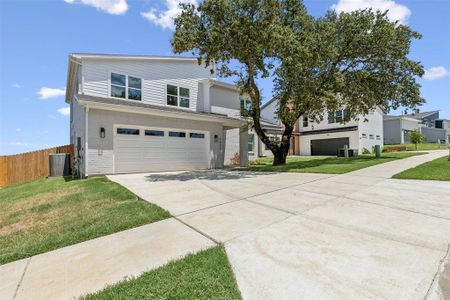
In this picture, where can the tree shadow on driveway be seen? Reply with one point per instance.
(204, 175)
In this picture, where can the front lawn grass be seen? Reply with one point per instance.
(438, 169)
(330, 165)
(205, 275)
(46, 214)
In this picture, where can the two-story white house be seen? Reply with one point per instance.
(151, 113)
(327, 136)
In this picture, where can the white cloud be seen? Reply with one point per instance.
(396, 12)
(113, 7)
(45, 92)
(16, 85)
(435, 73)
(164, 18)
(18, 144)
(65, 111)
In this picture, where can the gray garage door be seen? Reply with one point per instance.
(328, 146)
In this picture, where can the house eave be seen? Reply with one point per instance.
(179, 114)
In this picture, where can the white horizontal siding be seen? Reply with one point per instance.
(155, 76)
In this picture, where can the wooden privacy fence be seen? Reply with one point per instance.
(26, 166)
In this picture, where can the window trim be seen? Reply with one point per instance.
(126, 86)
(343, 116)
(178, 96)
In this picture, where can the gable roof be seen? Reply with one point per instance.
(421, 115)
(132, 57)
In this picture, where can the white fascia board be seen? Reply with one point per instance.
(229, 122)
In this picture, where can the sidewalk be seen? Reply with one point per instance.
(89, 266)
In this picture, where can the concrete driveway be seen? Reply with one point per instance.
(317, 236)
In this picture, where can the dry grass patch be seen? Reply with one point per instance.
(46, 214)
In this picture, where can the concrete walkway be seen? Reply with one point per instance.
(89, 266)
(287, 235)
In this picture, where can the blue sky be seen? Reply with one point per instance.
(37, 36)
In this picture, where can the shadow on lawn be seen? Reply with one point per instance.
(202, 175)
(312, 163)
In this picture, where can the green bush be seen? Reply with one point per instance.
(365, 151)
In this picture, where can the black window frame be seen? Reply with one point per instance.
(179, 134)
(159, 133)
(196, 135)
(127, 131)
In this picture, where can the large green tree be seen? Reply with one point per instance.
(356, 61)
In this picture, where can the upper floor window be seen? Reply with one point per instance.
(438, 124)
(339, 116)
(127, 87)
(305, 122)
(177, 96)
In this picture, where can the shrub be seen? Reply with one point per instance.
(365, 151)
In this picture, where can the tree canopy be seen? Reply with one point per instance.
(356, 60)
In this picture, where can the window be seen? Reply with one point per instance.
(378, 137)
(127, 87)
(250, 143)
(339, 116)
(305, 122)
(177, 134)
(246, 105)
(177, 96)
(154, 132)
(195, 135)
(438, 124)
(371, 136)
(364, 136)
(131, 131)
(331, 118)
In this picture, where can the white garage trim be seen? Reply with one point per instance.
(166, 139)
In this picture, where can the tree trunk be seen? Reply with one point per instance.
(282, 151)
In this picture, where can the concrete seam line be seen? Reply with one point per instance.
(365, 232)
(397, 208)
(270, 206)
(21, 277)
(261, 228)
(205, 208)
(198, 231)
(435, 282)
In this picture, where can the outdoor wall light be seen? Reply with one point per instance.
(102, 132)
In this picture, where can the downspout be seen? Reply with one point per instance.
(86, 146)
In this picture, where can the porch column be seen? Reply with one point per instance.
(243, 145)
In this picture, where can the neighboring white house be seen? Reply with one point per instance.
(149, 113)
(330, 134)
(333, 132)
(398, 128)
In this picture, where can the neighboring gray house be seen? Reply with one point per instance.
(327, 136)
(149, 113)
(398, 128)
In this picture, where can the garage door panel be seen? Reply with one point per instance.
(328, 146)
(140, 153)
